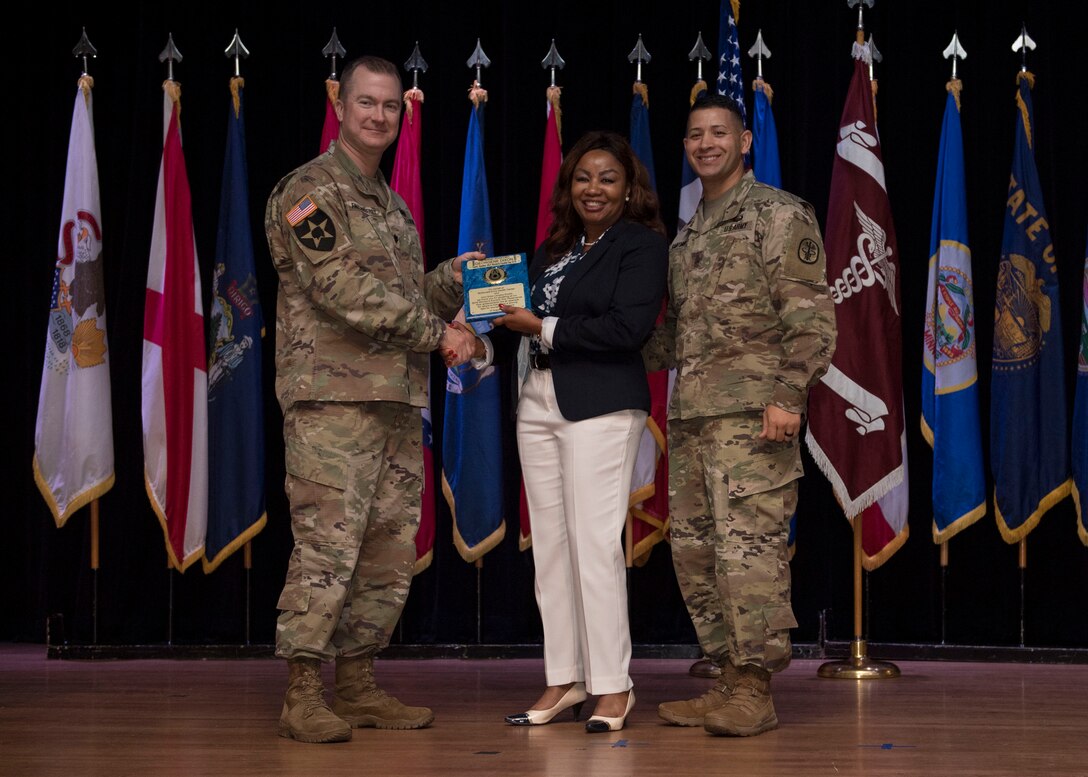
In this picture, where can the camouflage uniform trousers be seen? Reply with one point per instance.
(731, 496)
(354, 479)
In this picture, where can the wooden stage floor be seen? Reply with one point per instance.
(218, 717)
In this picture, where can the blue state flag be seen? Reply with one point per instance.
(691, 188)
(1080, 417)
(765, 166)
(640, 130)
(472, 440)
(1029, 451)
(236, 508)
(950, 416)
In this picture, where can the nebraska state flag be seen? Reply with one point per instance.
(73, 437)
(175, 378)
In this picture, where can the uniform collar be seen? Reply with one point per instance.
(375, 186)
(725, 207)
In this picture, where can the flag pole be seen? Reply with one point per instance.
(955, 52)
(859, 666)
(84, 50)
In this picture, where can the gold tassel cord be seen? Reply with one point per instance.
(640, 89)
(173, 91)
(1028, 76)
(411, 97)
(736, 10)
(554, 92)
(86, 84)
(332, 89)
(698, 89)
(236, 84)
(955, 86)
(759, 85)
(477, 94)
(872, 83)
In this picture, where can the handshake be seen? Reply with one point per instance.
(459, 344)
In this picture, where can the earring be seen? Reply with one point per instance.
(627, 198)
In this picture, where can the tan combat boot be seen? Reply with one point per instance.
(749, 710)
(363, 704)
(692, 712)
(305, 716)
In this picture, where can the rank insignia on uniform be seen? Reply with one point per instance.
(302, 209)
(316, 231)
(808, 251)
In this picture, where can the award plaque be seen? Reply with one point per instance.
(494, 281)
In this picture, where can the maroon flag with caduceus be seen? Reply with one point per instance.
(855, 424)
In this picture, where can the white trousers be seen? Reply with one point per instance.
(577, 478)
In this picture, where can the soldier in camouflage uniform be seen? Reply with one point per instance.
(356, 321)
(749, 328)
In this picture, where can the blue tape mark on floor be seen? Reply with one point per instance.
(891, 746)
(620, 743)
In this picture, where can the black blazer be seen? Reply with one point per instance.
(607, 306)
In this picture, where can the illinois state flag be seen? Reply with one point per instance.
(1080, 417)
(236, 510)
(407, 181)
(175, 377)
(1029, 451)
(950, 419)
(472, 439)
(73, 436)
(855, 429)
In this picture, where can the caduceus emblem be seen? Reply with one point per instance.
(875, 239)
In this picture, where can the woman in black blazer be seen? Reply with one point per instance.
(598, 283)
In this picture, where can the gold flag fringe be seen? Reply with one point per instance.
(955, 86)
(736, 10)
(1030, 78)
(86, 84)
(640, 89)
(236, 84)
(477, 94)
(554, 92)
(411, 97)
(699, 88)
(760, 85)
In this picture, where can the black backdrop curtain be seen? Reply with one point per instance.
(44, 570)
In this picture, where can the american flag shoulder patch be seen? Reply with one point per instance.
(303, 208)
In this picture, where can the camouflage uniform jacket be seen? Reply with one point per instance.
(749, 320)
(356, 317)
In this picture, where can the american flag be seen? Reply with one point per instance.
(302, 209)
(730, 80)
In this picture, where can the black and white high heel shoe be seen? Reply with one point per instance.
(598, 724)
(574, 697)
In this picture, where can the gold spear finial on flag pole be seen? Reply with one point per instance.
(478, 60)
(954, 51)
(83, 49)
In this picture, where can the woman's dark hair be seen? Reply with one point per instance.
(642, 207)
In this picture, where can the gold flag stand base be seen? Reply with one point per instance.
(859, 666)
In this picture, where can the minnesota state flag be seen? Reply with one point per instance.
(950, 419)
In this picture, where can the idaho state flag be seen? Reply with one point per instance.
(175, 378)
(73, 437)
(235, 407)
(472, 439)
(408, 183)
(855, 429)
(1029, 451)
(950, 421)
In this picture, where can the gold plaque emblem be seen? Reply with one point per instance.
(495, 275)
